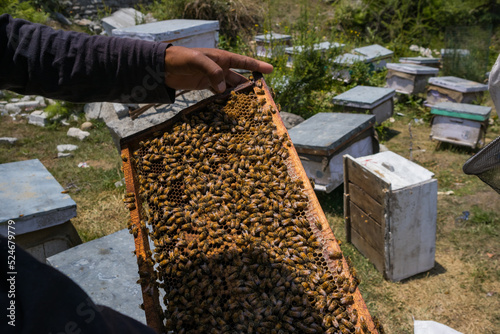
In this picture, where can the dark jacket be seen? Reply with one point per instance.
(71, 66)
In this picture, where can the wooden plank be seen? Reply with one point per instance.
(150, 294)
(367, 228)
(365, 202)
(366, 180)
(375, 257)
(347, 213)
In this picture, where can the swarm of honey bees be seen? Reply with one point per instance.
(235, 248)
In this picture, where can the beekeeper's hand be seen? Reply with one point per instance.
(204, 68)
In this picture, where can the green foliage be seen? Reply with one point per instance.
(23, 10)
(60, 110)
(235, 17)
(405, 22)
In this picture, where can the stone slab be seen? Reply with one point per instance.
(106, 269)
(31, 197)
(327, 131)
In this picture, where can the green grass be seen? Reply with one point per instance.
(92, 187)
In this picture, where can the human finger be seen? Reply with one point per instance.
(232, 60)
(234, 79)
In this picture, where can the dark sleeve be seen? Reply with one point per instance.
(37, 298)
(35, 59)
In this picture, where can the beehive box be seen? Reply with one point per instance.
(378, 55)
(323, 139)
(187, 33)
(39, 212)
(453, 89)
(242, 244)
(460, 123)
(366, 99)
(323, 46)
(345, 61)
(424, 61)
(390, 205)
(409, 78)
(272, 43)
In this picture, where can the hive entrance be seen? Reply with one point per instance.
(234, 244)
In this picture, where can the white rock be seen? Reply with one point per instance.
(290, 120)
(120, 109)
(414, 48)
(26, 98)
(8, 140)
(77, 133)
(12, 108)
(66, 147)
(50, 101)
(41, 101)
(65, 122)
(92, 110)
(63, 155)
(27, 105)
(86, 126)
(38, 117)
(14, 100)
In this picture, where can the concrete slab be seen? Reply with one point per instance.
(106, 269)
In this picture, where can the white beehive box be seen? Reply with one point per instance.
(460, 123)
(323, 46)
(345, 61)
(271, 44)
(409, 78)
(365, 99)
(323, 139)
(38, 210)
(453, 89)
(188, 33)
(378, 54)
(390, 205)
(424, 61)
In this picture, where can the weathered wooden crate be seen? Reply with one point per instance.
(424, 61)
(390, 207)
(245, 246)
(453, 89)
(366, 99)
(378, 55)
(39, 210)
(323, 139)
(460, 123)
(409, 78)
(272, 43)
(187, 33)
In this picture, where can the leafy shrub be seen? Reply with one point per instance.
(23, 10)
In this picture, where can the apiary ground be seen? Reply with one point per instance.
(462, 291)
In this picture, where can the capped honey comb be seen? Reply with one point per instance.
(237, 246)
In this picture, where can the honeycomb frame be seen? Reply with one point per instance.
(329, 256)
